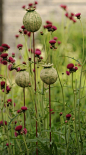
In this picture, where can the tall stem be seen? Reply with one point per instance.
(50, 114)
(35, 89)
(24, 105)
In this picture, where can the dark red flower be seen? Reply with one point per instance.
(29, 34)
(60, 113)
(59, 42)
(7, 89)
(20, 31)
(67, 72)
(48, 22)
(10, 67)
(18, 128)
(48, 26)
(10, 59)
(54, 28)
(24, 108)
(70, 66)
(74, 21)
(35, 2)
(16, 35)
(66, 14)
(30, 50)
(75, 68)
(15, 122)
(55, 38)
(30, 4)
(24, 62)
(52, 42)
(19, 111)
(1, 49)
(63, 7)
(18, 69)
(25, 131)
(1, 123)
(72, 14)
(16, 134)
(13, 55)
(22, 27)
(19, 46)
(2, 84)
(25, 31)
(37, 52)
(68, 116)
(7, 144)
(41, 33)
(4, 55)
(4, 62)
(9, 101)
(23, 6)
(29, 58)
(5, 46)
(78, 15)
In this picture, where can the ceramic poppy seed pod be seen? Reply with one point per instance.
(22, 79)
(32, 20)
(48, 74)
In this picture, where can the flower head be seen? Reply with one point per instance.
(29, 34)
(13, 54)
(25, 131)
(67, 72)
(60, 113)
(48, 22)
(68, 116)
(70, 66)
(4, 62)
(52, 42)
(78, 15)
(37, 52)
(53, 28)
(63, 7)
(35, 2)
(18, 128)
(19, 111)
(4, 55)
(19, 46)
(10, 59)
(22, 27)
(1, 49)
(55, 38)
(23, 7)
(2, 84)
(59, 42)
(16, 35)
(23, 108)
(5, 46)
(7, 89)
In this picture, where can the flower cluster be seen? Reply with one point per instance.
(71, 68)
(19, 130)
(69, 15)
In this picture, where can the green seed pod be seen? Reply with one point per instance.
(22, 79)
(48, 74)
(32, 20)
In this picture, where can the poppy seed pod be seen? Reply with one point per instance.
(22, 79)
(32, 20)
(48, 74)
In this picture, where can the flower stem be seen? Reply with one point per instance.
(24, 105)
(50, 114)
(35, 89)
(83, 38)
